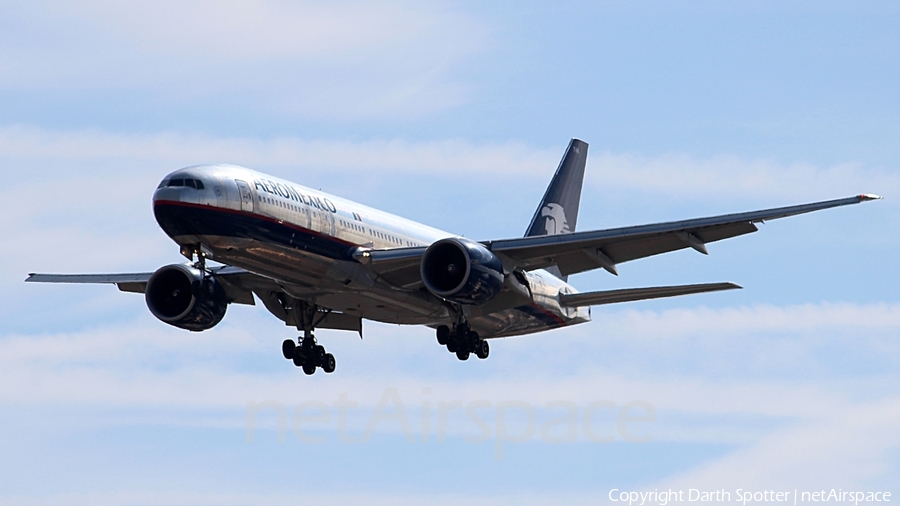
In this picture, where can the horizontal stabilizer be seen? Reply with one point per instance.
(133, 282)
(140, 277)
(631, 294)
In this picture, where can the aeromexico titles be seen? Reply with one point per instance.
(319, 261)
(288, 191)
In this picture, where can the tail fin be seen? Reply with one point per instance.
(558, 211)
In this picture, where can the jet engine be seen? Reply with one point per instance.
(461, 271)
(182, 296)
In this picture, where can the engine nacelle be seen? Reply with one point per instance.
(461, 271)
(182, 296)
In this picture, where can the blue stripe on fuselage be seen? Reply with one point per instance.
(182, 218)
(542, 314)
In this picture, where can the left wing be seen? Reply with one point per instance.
(584, 251)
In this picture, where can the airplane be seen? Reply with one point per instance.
(317, 261)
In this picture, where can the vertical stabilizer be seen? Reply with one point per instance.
(558, 210)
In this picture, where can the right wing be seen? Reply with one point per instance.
(132, 282)
(397, 266)
(238, 283)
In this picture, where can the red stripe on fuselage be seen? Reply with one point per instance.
(549, 313)
(276, 221)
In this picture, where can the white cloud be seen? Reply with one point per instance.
(309, 496)
(673, 176)
(824, 318)
(791, 433)
(346, 60)
(846, 450)
(57, 176)
(174, 149)
(268, 29)
(117, 365)
(728, 176)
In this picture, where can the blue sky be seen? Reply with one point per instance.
(456, 115)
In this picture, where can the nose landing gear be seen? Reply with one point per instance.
(463, 341)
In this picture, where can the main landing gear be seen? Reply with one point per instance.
(308, 354)
(463, 341)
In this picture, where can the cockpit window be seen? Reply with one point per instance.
(192, 183)
(165, 182)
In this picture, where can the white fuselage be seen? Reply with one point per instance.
(306, 239)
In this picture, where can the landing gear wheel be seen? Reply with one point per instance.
(443, 335)
(472, 340)
(452, 346)
(462, 354)
(319, 353)
(299, 360)
(328, 363)
(309, 369)
(482, 350)
(287, 348)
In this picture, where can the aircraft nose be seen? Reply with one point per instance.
(179, 187)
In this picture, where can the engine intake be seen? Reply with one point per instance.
(182, 296)
(461, 271)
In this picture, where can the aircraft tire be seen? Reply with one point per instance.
(309, 369)
(328, 363)
(482, 349)
(287, 348)
(472, 341)
(443, 335)
(452, 346)
(462, 354)
(319, 353)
